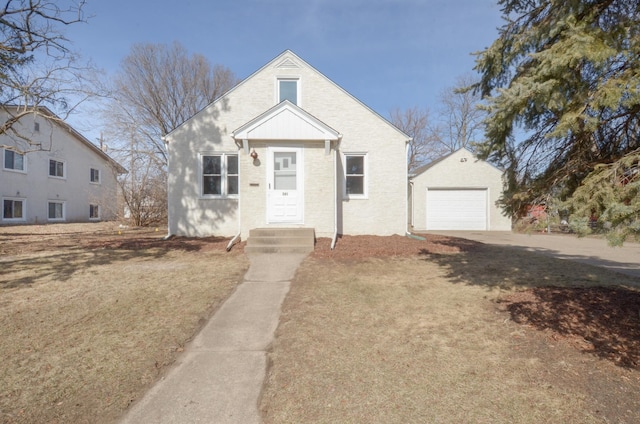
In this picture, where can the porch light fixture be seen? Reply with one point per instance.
(254, 154)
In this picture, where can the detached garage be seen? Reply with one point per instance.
(457, 192)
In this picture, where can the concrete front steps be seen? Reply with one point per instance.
(280, 240)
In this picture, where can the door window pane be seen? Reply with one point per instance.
(284, 171)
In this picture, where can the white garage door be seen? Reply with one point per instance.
(457, 209)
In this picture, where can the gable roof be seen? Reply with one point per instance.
(285, 121)
(424, 168)
(288, 59)
(52, 117)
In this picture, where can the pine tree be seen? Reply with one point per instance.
(563, 77)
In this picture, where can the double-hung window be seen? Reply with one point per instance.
(13, 160)
(56, 168)
(355, 171)
(95, 175)
(13, 209)
(220, 175)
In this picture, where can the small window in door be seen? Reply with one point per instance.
(284, 170)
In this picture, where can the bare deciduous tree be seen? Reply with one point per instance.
(460, 120)
(37, 68)
(423, 147)
(158, 88)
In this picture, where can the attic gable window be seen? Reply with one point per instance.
(288, 90)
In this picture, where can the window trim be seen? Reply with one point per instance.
(64, 210)
(99, 180)
(4, 161)
(298, 88)
(97, 206)
(24, 209)
(365, 176)
(64, 169)
(223, 173)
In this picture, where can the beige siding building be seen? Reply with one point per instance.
(287, 147)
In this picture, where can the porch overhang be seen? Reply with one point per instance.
(285, 122)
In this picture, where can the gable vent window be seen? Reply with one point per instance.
(288, 90)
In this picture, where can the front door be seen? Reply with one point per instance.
(285, 194)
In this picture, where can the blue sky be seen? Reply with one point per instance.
(388, 53)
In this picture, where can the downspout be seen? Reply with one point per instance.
(237, 236)
(406, 207)
(335, 190)
(166, 148)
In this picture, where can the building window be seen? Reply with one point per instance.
(94, 212)
(95, 175)
(13, 160)
(13, 209)
(56, 211)
(36, 126)
(355, 175)
(56, 168)
(220, 175)
(288, 90)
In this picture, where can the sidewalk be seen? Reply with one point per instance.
(219, 377)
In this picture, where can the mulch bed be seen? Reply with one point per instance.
(362, 247)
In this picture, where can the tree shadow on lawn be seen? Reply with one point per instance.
(80, 254)
(25, 272)
(595, 309)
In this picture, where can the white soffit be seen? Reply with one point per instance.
(285, 122)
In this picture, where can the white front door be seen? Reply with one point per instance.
(285, 193)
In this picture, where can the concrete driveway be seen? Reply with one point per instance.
(594, 251)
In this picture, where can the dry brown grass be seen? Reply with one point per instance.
(89, 319)
(382, 330)
(424, 339)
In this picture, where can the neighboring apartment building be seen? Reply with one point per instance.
(68, 180)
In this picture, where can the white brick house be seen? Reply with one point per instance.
(457, 192)
(287, 147)
(68, 180)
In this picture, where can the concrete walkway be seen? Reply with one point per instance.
(219, 377)
(593, 251)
